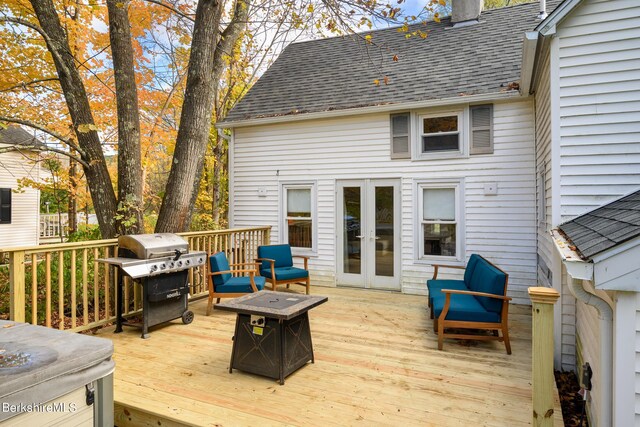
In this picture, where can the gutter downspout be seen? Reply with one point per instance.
(581, 270)
(605, 315)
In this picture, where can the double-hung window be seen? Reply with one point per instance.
(440, 133)
(299, 216)
(440, 229)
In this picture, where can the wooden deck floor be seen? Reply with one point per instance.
(377, 363)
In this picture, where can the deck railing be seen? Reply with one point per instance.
(65, 287)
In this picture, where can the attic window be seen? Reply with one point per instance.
(440, 133)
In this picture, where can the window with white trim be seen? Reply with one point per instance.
(299, 225)
(439, 220)
(440, 132)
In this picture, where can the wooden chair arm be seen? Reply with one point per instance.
(305, 258)
(272, 261)
(474, 293)
(231, 272)
(436, 266)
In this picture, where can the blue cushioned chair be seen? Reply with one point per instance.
(478, 301)
(223, 283)
(277, 266)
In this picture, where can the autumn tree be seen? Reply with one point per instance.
(57, 51)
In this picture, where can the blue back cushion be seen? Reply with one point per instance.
(486, 278)
(280, 253)
(219, 262)
(471, 265)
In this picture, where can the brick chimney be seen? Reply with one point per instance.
(465, 10)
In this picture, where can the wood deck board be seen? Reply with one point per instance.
(377, 363)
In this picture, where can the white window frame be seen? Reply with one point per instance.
(458, 186)
(284, 234)
(463, 125)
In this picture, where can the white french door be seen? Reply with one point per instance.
(368, 241)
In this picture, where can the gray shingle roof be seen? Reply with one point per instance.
(605, 227)
(338, 73)
(15, 135)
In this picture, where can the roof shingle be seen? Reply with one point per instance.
(338, 73)
(605, 227)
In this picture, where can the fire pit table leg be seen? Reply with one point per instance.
(313, 358)
(235, 341)
(282, 339)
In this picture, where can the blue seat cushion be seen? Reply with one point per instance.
(464, 308)
(286, 273)
(486, 278)
(240, 285)
(280, 253)
(435, 287)
(471, 266)
(218, 262)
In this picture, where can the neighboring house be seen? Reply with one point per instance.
(19, 210)
(485, 137)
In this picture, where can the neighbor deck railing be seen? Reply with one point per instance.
(65, 287)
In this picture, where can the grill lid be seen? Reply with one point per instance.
(148, 246)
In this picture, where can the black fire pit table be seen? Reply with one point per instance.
(273, 336)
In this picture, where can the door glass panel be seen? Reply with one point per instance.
(384, 233)
(352, 230)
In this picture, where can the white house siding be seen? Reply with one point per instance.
(588, 348)
(548, 260)
(546, 250)
(599, 81)
(637, 367)
(501, 227)
(25, 205)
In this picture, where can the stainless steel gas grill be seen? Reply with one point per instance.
(161, 263)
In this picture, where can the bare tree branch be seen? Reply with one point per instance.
(23, 85)
(41, 147)
(33, 125)
(171, 8)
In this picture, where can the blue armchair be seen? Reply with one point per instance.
(223, 284)
(277, 266)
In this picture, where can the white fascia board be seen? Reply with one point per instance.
(529, 47)
(496, 96)
(548, 26)
(576, 267)
(617, 269)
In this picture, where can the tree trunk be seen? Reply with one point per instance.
(129, 162)
(102, 194)
(217, 179)
(195, 121)
(180, 219)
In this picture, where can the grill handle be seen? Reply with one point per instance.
(176, 253)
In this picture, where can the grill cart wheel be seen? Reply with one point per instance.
(187, 317)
